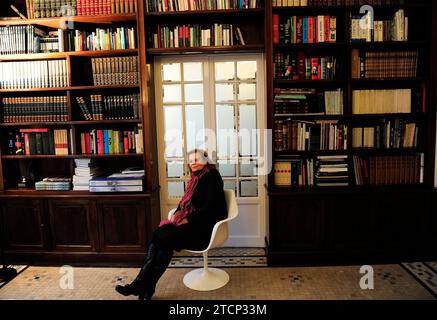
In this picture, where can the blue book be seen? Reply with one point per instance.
(304, 29)
(105, 142)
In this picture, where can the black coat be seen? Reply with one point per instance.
(210, 207)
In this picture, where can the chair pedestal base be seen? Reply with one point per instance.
(206, 280)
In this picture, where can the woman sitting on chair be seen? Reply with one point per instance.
(201, 207)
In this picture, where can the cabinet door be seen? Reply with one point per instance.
(405, 223)
(349, 221)
(295, 223)
(73, 225)
(23, 224)
(122, 224)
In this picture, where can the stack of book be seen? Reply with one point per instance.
(129, 180)
(53, 184)
(85, 170)
(332, 171)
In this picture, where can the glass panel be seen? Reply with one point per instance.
(225, 131)
(247, 130)
(226, 168)
(247, 91)
(173, 131)
(246, 70)
(172, 93)
(193, 71)
(224, 71)
(230, 184)
(195, 135)
(171, 72)
(248, 188)
(194, 92)
(224, 92)
(175, 189)
(248, 168)
(175, 169)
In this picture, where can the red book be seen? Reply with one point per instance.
(26, 144)
(276, 29)
(315, 69)
(100, 147)
(87, 143)
(327, 26)
(301, 65)
(34, 130)
(311, 30)
(126, 141)
(299, 29)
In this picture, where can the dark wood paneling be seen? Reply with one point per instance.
(73, 225)
(122, 224)
(295, 223)
(349, 221)
(23, 224)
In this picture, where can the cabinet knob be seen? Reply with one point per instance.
(42, 225)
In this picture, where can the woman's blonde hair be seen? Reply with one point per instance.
(204, 155)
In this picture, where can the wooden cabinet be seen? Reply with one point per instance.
(376, 225)
(73, 225)
(122, 224)
(23, 224)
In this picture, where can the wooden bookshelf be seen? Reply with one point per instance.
(315, 224)
(103, 227)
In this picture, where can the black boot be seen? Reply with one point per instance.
(138, 286)
(161, 262)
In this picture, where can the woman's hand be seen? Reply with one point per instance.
(184, 221)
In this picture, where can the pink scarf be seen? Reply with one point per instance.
(185, 205)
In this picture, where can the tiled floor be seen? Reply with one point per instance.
(251, 283)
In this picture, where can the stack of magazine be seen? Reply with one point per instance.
(85, 170)
(128, 180)
(53, 184)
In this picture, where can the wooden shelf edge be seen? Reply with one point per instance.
(72, 193)
(71, 88)
(204, 12)
(59, 22)
(157, 51)
(60, 55)
(70, 156)
(66, 123)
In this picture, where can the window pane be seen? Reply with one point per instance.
(224, 71)
(247, 91)
(230, 184)
(226, 168)
(175, 189)
(172, 93)
(194, 92)
(171, 72)
(194, 126)
(246, 70)
(247, 130)
(173, 132)
(224, 92)
(175, 169)
(248, 168)
(248, 188)
(225, 131)
(193, 71)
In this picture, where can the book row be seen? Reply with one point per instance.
(384, 65)
(304, 29)
(297, 101)
(41, 141)
(333, 171)
(109, 141)
(387, 135)
(325, 3)
(196, 36)
(365, 29)
(381, 101)
(34, 74)
(58, 8)
(120, 107)
(199, 5)
(115, 70)
(304, 66)
(34, 109)
(295, 135)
